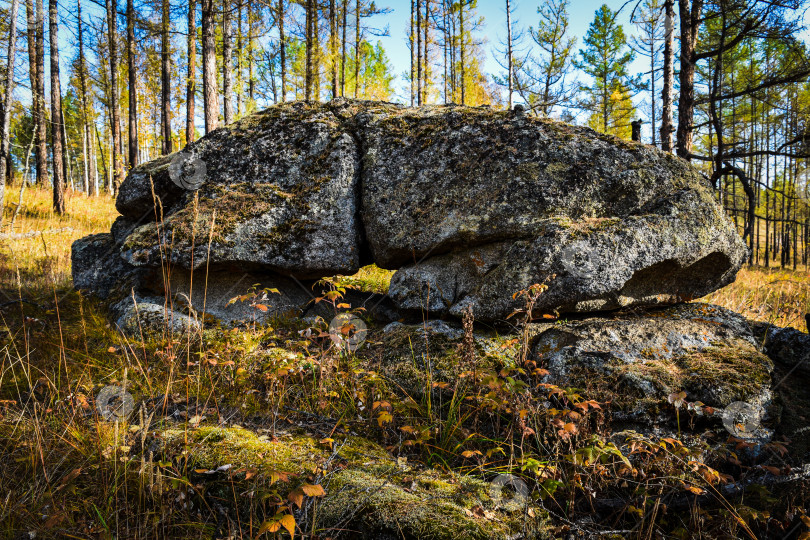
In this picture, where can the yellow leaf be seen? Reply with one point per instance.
(313, 490)
(288, 522)
(296, 497)
(269, 526)
(261, 307)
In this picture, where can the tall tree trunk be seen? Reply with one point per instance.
(165, 81)
(333, 47)
(7, 101)
(191, 75)
(115, 107)
(42, 126)
(445, 40)
(227, 62)
(31, 36)
(239, 55)
(343, 49)
(652, 89)
(282, 45)
(418, 52)
(690, 21)
(463, 60)
(412, 44)
(309, 39)
(251, 48)
(453, 54)
(210, 91)
(509, 49)
(90, 163)
(57, 142)
(357, 33)
(316, 50)
(133, 86)
(669, 76)
(425, 56)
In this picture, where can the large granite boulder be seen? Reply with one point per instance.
(470, 205)
(276, 191)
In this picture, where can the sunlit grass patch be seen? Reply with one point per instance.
(37, 244)
(780, 297)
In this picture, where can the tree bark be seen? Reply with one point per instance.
(412, 44)
(418, 52)
(115, 107)
(309, 39)
(425, 57)
(191, 75)
(7, 101)
(333, 47)
(165, 81)
(251, 48)
(652, 87)
(210, 92)
(39, 95)
(133, 87)
(357, 33)
(227, 62)
(690, 22)
(509, 50)
(240, 86)
(316, 50)
(282, 45)
(89, 163)
(343, 50)
(445, 29)
(57, 142)
(463, 38)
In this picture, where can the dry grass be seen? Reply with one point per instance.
(38, 246)
(780, 297)
(67, 470)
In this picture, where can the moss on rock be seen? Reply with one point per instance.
(370, 492)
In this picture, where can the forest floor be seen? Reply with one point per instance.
(224, 404)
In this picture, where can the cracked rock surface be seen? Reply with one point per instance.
(469, 205)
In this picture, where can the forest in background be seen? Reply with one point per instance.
(725, 84)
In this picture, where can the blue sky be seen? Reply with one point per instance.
(581, 13)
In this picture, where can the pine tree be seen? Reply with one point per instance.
(650, 24)
(606, 58)
(541, 80)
